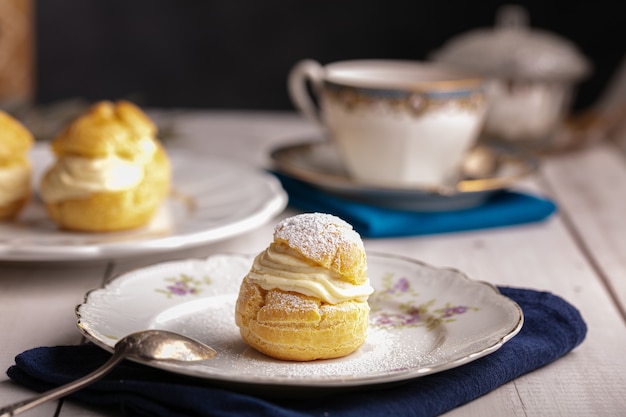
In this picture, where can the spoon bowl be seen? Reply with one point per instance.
(480, 162)
(145, 346)
(161, 345)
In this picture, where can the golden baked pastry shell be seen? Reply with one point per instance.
(16, 140)
(11, 210)
(106, 128)
(292, 326)
(325, 240)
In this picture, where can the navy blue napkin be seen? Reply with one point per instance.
(504, 208)
(551, 329)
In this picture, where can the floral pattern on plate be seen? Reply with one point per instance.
(183, 284)
(407, 310)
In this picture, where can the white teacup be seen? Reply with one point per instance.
(395, 123)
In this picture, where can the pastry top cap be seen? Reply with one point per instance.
(325, 240)
(107, 128)
(15, 139)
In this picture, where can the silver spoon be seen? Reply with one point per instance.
(147, 345)
(480, 162)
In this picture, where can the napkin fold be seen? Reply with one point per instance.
(503, 208)
(552, 328)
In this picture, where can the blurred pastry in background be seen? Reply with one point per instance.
(15, 167)
(111, 171)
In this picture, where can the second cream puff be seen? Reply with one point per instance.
(111, 172)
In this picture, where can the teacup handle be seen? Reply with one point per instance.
(304, 72)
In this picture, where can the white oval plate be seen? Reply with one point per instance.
(423, 320)
(212, 199)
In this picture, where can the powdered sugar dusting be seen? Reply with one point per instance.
(287, 301)
(317, 235)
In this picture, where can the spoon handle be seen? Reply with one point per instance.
(63, 390)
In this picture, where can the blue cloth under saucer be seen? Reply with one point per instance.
(503, 208)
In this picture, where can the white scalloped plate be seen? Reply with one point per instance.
(212, 199)
(423, 320)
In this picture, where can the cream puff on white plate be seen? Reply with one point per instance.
(111, 172)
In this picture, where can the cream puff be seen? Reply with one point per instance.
(15, 167)
(305, 296)
(111, 172)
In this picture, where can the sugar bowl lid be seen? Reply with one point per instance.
(513, 50)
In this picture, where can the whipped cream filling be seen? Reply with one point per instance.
(14, 183)
(273, 269)
(77, 177)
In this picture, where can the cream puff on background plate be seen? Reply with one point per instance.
(111, 172)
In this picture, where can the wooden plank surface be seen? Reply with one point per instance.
(591, 186)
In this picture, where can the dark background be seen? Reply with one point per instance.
(236, 54)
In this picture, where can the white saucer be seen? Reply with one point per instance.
(423, 320)
(318, 163)
(212, 199)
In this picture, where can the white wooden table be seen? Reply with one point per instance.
(578, 254)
